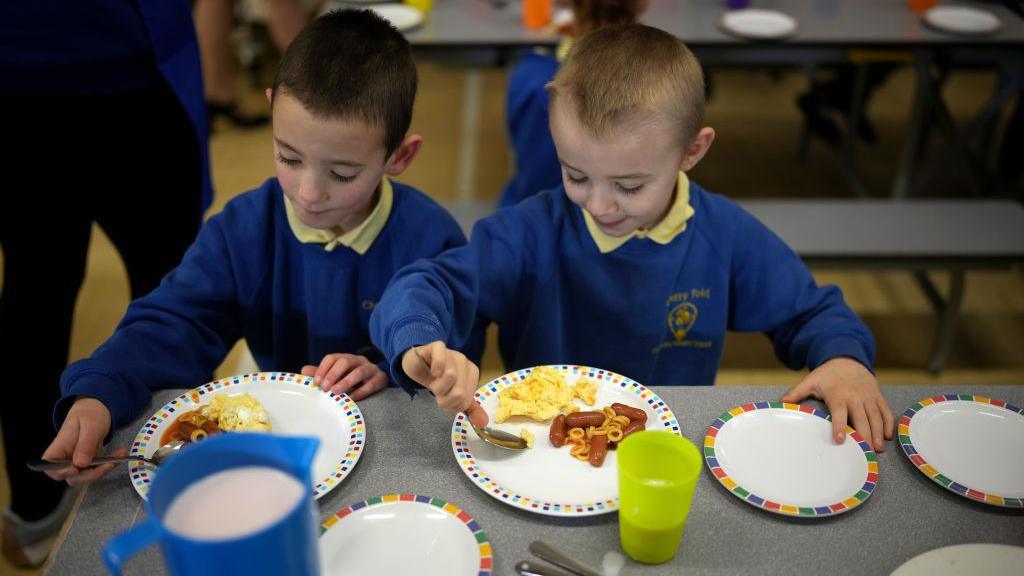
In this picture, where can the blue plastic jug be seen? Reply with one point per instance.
(288, 546)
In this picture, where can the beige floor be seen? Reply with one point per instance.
(755, 155)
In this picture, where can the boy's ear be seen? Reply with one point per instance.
(697, 148)
(403, 156)
(270, 95)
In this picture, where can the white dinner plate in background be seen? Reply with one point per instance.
(962, 20)
(757, 24)
(401, 16)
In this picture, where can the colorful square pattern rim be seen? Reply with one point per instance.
(847, 504)
(903, 433)
(483, 542)
(141, 474)
(664, 417)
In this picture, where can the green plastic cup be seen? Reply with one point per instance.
(658, 473)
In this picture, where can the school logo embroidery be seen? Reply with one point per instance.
(681, 319)
(682, 316)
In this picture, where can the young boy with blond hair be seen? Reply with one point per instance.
(296, 266)
(526, 99)
(630, 266)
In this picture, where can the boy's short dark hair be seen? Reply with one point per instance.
(352, 64)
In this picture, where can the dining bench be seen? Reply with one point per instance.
(915, 235)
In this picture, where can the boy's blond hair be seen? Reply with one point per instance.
(631, 68)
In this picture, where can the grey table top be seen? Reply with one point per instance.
(483, 23)
(408, 451)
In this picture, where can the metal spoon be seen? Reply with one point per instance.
(545, 552)
(161, 454)
(487, 434)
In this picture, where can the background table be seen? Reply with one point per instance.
(408, 451)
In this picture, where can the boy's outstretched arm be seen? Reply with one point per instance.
(810, 326)
(851, 393)
(438, 305)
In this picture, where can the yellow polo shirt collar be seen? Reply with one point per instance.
(359, 238)
(563, 49)
(672, 225)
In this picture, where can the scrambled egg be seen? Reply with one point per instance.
(542, 396)
(528, 436)
(585, 390)
(235, 413)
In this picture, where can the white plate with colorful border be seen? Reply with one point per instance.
(404, 534)
(960, 559)
(781, 458)
(971, 445)
(545, 479)
(295, 405)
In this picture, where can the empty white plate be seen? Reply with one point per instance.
(758, 24)
(972, 445)
(401, 16)
(965, 560)
(962, 20)
(404, 534)
(781, 457)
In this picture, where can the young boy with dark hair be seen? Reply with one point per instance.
(629, 266)
(296, 266)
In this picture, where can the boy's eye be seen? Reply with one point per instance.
(341, 178)
(575, 180)
(628, 190)
(288, 161)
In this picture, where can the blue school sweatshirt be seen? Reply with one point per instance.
(248, 276)
(526, 113)
(655, 313)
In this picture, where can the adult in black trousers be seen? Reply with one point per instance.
(101, 108)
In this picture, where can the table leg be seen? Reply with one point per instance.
(920, 118)
(948, 311)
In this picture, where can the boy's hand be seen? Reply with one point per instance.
(851, 393)
(350, 373)
(449, 375)
(79, 438)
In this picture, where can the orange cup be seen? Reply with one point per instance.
(536, 13)
(921, 6)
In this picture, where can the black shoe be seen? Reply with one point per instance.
(231, 112)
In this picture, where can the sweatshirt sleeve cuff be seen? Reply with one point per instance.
(842, 346)
(100, 386)
(404, 337)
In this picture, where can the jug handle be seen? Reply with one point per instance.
(118, 550)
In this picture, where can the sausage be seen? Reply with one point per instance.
(633, 414)
(584, 419)
(634, 426)
(187, 429)
(598, 449)
(558, 431)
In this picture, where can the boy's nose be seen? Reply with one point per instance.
(311, 191)
(599, 205)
